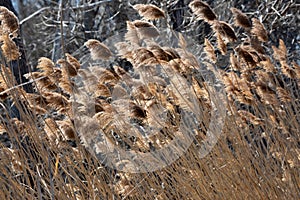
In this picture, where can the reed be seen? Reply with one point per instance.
(45, 155)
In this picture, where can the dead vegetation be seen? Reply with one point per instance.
(256, 157)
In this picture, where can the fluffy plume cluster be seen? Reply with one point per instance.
(54, 85)
(253, 76)
(148, 98)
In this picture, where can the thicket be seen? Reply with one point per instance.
(45, 152)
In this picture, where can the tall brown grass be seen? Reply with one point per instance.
(43, 155)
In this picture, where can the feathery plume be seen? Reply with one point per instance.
(145, 29)
(265, 78)
(256, 44)
(98, 50)
(210, 51)
(57, 101)
(246, 56)
(124, 47)
(67, 129)
(141, 92)
(149, 11)
(143, 56)
(67, 68)
(267, 95)
(40, 82)
(131, 35)
(287, 70)
(240, 19)
(159, 53)
(107, 77)
(224, 30)
(102, 90)
(67, 71)
(268, 65)
(203, 11)
(2, 129)
(46, 65)
(221, 44)
(36, 99)
(73, 61)
(66, 85)
(172, 52)
(280, 53)
(18, 125)
(201, 92)
(45, 84)
(9, 48)
(104, 119)
(38, 110)
(9, 22)
(259, 30)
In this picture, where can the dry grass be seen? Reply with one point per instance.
(256, 157)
